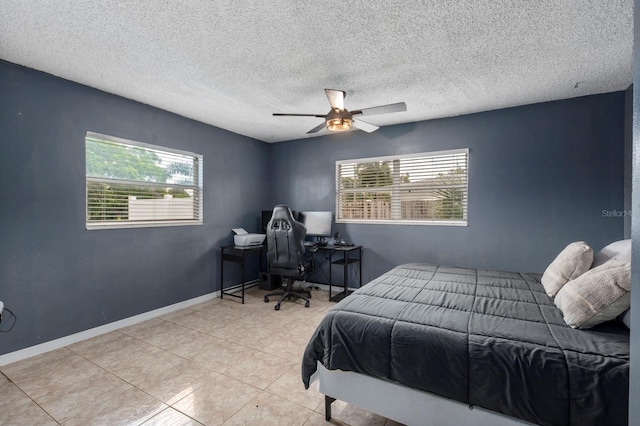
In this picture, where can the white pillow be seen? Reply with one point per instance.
(596, 296)
(573, 261)
(619, 250)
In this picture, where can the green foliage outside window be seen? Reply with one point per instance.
(114, 162)
(367, 190)
(450, 203)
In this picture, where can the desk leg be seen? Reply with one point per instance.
(243, 268)
(221, 273)
(346, 273)
(360, 266)
(330, 268)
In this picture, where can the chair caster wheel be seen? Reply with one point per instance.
(277, 307)
(266, 299)
(306, 305)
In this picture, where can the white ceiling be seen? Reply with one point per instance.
(233, 63)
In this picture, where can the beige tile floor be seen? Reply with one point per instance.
(216, 363)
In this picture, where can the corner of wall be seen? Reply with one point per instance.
(628, 156)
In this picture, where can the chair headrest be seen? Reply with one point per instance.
(282, 212)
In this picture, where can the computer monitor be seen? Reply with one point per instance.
(318, 223)
(264, 220)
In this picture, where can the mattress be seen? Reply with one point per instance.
(488, 338)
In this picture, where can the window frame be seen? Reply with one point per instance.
(390, 158)
(124, 224)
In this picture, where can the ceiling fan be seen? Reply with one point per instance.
(339, 119)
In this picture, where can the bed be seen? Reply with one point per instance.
(428, 344)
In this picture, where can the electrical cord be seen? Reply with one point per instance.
(317, 265)
(15, 319)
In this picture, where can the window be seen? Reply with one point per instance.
(133, 184)
(426, 188)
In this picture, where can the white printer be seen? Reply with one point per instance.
(244, 239)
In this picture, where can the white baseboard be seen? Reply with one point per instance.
(103, 329)
(93, 332)
(335, 288)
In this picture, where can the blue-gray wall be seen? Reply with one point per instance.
(540, 177)
(59, 278)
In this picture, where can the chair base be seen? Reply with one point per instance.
(288, 293)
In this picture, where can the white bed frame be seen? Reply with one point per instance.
(401, 403)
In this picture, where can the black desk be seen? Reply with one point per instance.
(345, 256)
(238, 255)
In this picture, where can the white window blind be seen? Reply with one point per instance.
(425, 188)
(133, 184)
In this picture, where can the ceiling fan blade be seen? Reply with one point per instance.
(317, 128)
(362, 125)
(279, 114)
(336, 98)
(382, 109)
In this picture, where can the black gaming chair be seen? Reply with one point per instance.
(285, 253)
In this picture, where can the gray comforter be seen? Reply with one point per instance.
(487, 338)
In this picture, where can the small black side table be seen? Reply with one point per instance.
(347, 256)
(239, 255)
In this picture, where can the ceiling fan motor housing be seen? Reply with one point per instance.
(338, 120)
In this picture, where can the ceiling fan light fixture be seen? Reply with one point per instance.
(339, 119)
(339, 124)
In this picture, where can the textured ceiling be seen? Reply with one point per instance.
(233, 63)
